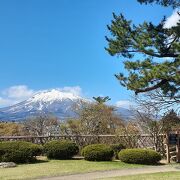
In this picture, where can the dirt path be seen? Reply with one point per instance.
(114, 173)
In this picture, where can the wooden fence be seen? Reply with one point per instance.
(132, 141)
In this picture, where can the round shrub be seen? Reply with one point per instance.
(117, 148)
(19, 151)
(97, 152)
(60, 149)
(139, 156)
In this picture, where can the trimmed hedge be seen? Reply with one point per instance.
(63, 149)
(19, 151)
(139, 156)
(97, 152)
(117, 148)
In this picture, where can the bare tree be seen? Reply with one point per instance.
(130, 132)
(71, 127)
(157, 101)
(42, 125)
(148, 124)
(154, 117)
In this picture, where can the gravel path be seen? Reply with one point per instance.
(114, 173)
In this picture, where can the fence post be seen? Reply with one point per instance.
(98, 139)
(178, 148)
(167, 148)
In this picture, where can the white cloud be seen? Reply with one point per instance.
(124, 104)
(173, 19)
(16, 94)
(76, 90)
(5, 102)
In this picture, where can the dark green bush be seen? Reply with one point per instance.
(117, 148)
(139, 156)
(19, 151)
(97, 152)
(60, 149)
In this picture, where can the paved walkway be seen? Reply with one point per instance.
(114, 173)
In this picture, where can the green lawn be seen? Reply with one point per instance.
(153, 176)
(59, 167)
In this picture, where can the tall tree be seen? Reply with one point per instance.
(98, 119)
(158, 47)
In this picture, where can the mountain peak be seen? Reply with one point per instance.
(55, 102)
(53, 95)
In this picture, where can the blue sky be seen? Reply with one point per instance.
(47, 44)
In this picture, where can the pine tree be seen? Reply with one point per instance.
(173, 3)
(158, 47)
(102, 100)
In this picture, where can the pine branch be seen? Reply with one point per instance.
(158, 85)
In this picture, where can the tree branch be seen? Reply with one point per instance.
(152, 87)
(152, 54)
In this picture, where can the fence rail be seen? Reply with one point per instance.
(135, 141)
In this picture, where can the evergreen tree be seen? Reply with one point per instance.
(158, 47)
(101, 100)
(173, 3)
(170, 121)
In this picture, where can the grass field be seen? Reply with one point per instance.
(153, 176)
(59, 167)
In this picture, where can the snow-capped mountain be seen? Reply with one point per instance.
(53, 102)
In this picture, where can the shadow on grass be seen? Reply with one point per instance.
(156, 164)
(159, 164)
(39, 161)
(36, 161)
